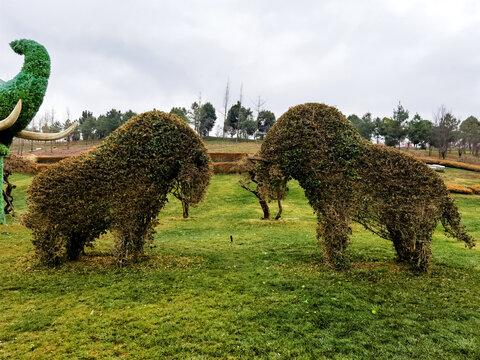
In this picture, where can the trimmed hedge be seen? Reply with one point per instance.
(475, 189)
(227, 157)
(346, 178)
(119, 186)
(224, 163)
(50, 159)
(453, 164)
(13, 164)
(459, 189)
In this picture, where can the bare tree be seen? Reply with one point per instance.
(258, 107)
(197, 114)
(239, 110)
(33, 127)
(226, 99)
(445, 126)
(52, 121)
(44, 122)
(69, 137)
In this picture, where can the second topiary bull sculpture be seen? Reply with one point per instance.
(119, 186)
(346, 178)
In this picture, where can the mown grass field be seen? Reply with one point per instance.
(266, 295)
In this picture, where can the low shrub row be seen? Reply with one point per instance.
(227, 157)
(50, 159)
(13, 164)
(449, 163)
(223, 163)
(461, 189)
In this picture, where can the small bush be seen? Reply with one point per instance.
(475, 189)
(119, 186)
(249, 182)
(13, 164)
(459, 189)
(346, 178)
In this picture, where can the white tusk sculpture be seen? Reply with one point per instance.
(31, 135)
(10, 119)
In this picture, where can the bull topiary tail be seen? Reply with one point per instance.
(452, 224)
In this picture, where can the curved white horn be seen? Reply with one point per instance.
(257, 158)
(31, 135)
(10, 119)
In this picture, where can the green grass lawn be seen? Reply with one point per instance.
(266, 295)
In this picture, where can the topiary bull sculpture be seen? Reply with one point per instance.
(346, 178)
(119, 186)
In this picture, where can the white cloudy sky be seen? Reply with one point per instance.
(357, 55)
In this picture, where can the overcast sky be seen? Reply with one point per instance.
(360, 56)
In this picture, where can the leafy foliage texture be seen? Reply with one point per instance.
(346, 178)
(119, 186)
(29, 85)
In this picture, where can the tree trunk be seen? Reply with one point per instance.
(265, 208)
(185, 208)
(444, 154)
(279, 214)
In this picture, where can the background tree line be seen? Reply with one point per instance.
(96, 128)
(90, 127)
(444, 132)
(238, 121)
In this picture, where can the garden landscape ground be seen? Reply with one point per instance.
(266, 295)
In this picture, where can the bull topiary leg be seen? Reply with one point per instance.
(48, 247)
(414, 248)
(333, 228)
(74, 246)
(403, 247)
(423, 255)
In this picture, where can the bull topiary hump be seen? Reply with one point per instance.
(29, 85)
(312, 132)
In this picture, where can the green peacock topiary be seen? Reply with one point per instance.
(29, 85)
(347, 178)
(21, 97)
(119, 186)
